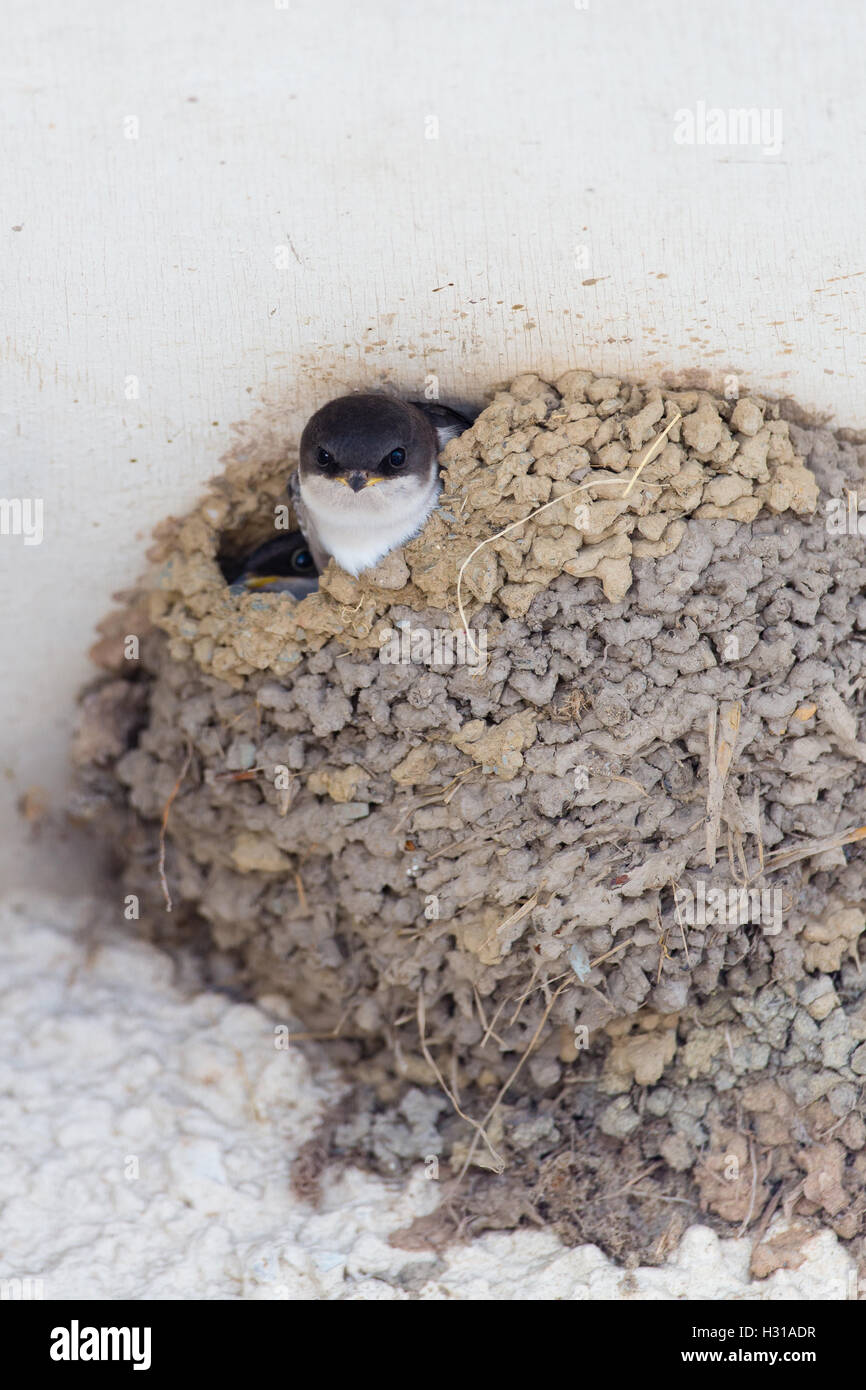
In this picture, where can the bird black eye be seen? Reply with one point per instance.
(323, 458)
(302, 559)
(396, 458)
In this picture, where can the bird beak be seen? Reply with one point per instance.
(260, 581)
(357, 482)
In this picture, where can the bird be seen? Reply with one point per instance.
(368, 476)
(281, 565)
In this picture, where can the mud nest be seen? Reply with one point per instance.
(597, 868)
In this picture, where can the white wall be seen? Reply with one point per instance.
(155, 257)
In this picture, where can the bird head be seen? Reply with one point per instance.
(360, 445)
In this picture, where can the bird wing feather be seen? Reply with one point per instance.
(447, 423)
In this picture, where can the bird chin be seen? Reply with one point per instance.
(359, 534)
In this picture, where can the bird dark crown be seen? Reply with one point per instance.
(368, 434)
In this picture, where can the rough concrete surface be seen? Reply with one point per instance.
(148, 1136)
